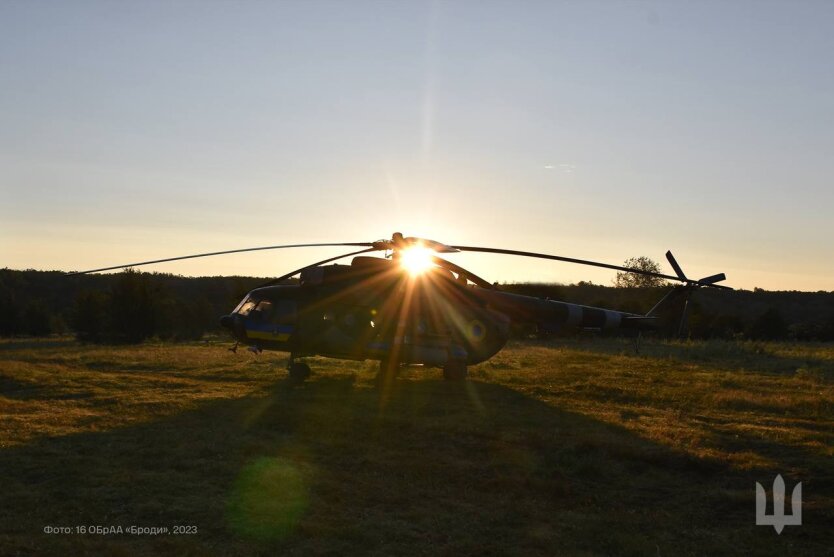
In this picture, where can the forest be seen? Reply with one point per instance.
(132, 306)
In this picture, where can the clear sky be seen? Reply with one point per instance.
(599, 130)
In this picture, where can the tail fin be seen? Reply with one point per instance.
(663, 316)
(664, 312)
(686, 291)
(669, 299)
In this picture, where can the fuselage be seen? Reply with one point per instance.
(373, 309)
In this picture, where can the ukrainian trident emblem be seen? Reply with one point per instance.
(778, 519)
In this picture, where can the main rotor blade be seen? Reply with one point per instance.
(583, 262)
(322, 262)
(566, 259)
(460, 270)
(429, 244)
(366, 244)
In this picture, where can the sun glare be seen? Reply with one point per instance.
(416, 260)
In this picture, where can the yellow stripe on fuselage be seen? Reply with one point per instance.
(280, 337)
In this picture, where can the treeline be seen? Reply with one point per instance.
(127, 307)
(132, 306)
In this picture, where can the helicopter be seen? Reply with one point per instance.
(409, 307)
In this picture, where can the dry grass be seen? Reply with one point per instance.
(576, 447)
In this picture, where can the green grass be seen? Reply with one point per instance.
(577, 447)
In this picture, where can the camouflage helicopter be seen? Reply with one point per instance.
(409, 307)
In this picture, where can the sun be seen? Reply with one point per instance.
(416, 259)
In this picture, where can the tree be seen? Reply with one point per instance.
(636, 280)
(769, 326)
(132, 310)
(36, 319)
(89, 314)
(10, 312)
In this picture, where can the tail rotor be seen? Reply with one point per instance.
(690, 286)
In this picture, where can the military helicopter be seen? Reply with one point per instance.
(409, 307)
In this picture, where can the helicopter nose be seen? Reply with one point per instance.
(227, 322)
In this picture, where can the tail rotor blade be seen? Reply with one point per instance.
(713, 279)
(673, 262)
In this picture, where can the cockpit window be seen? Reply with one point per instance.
(262, 312)
(246, 307)
(281, 312)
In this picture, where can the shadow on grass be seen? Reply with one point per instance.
(726, 355)
(335, 467)
(29, 343)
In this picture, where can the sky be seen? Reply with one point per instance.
(599, 130)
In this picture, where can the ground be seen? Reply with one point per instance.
(576, 447)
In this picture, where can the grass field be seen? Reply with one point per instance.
(578, 447)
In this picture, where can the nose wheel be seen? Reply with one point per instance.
(388, 370)
(298, 371)
(455, 370)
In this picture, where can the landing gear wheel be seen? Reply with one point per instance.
(388, 370)
(299, 372)
(455, 370)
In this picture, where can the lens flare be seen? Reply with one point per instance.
(416, 259)
(268, 500)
